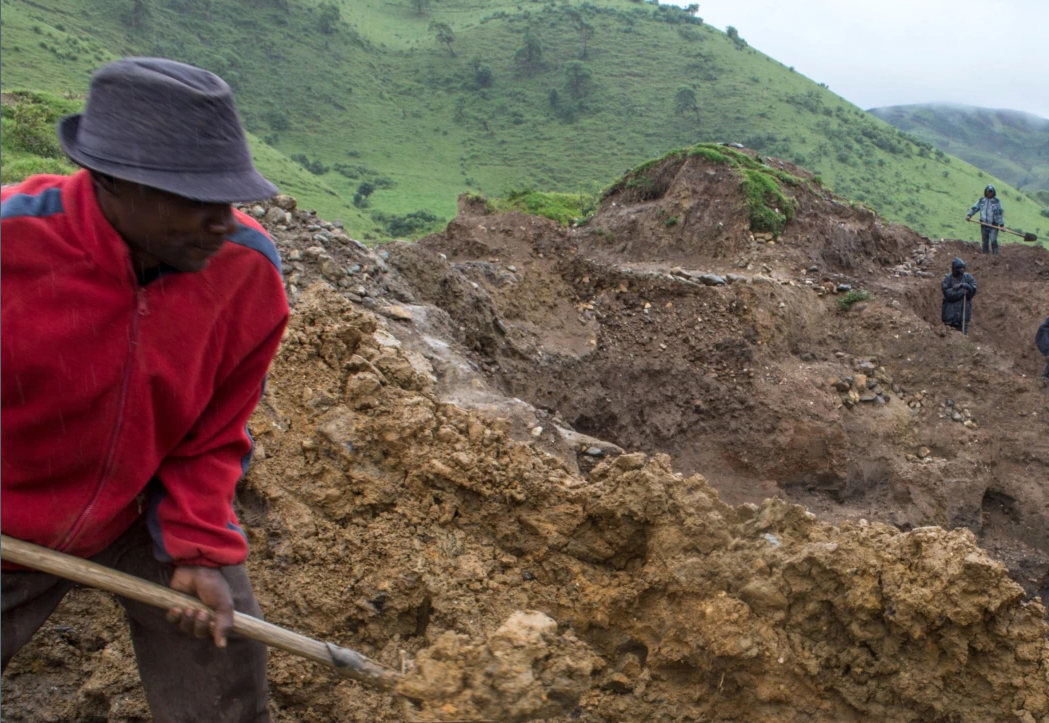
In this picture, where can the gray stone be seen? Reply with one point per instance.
(710, 280)
(274, 215)
(594, 452)
(842, 288)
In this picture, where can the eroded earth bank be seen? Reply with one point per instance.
(614, 426)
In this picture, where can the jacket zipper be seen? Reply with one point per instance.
(141, 309)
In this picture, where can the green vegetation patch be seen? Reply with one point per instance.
(565, 208)
(846, 300)
(770, 209)
(29, 143)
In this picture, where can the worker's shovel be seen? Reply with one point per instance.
(1025, 236)
(346, 662)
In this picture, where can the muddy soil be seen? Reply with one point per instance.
(611, 327)
(475, 426)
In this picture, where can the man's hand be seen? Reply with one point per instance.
(968, 217)
(207, 584)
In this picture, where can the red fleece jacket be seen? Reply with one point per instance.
(109, 385)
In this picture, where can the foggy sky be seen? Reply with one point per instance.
(895, 52)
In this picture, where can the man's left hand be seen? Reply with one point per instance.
(207, 584)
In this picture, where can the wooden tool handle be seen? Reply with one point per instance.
(348, 663)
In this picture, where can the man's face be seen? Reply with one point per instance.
(988, 193)
(161, 227)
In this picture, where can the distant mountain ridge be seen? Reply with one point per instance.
(1011, 144)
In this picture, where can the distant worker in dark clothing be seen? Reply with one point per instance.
(991, 219)
(959, 288)
(1041, 339)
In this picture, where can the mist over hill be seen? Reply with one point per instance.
(1010, 144)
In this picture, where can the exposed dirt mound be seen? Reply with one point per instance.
(441, 446)
(728, 361)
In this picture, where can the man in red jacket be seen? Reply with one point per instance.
(140, 313)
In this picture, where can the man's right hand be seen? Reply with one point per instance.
(210, 587)
(968, 218)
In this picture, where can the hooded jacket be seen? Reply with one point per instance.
(990, 209)
(108, 384)
(954, 296)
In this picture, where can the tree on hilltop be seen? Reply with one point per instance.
(733, 35)
(445, 36)
(685, 101)
(530, 55)
(421, 6)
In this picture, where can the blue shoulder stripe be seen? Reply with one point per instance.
(46, 203)
(254, 239)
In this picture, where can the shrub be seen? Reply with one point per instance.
(278, 120)
(846, 300)
(33, 130)
(315, 167)
(411, 224)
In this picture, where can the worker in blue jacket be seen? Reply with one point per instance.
(991, 218)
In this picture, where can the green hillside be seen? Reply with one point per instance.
(529, 94)
(29, 146)
(1006, 143)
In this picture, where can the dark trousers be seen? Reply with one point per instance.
(989, 236)
(186, 679)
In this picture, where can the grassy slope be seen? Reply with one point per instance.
(1009, 144)
(25, 154)
(379, 93)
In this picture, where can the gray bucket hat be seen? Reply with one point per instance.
(167, 125)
